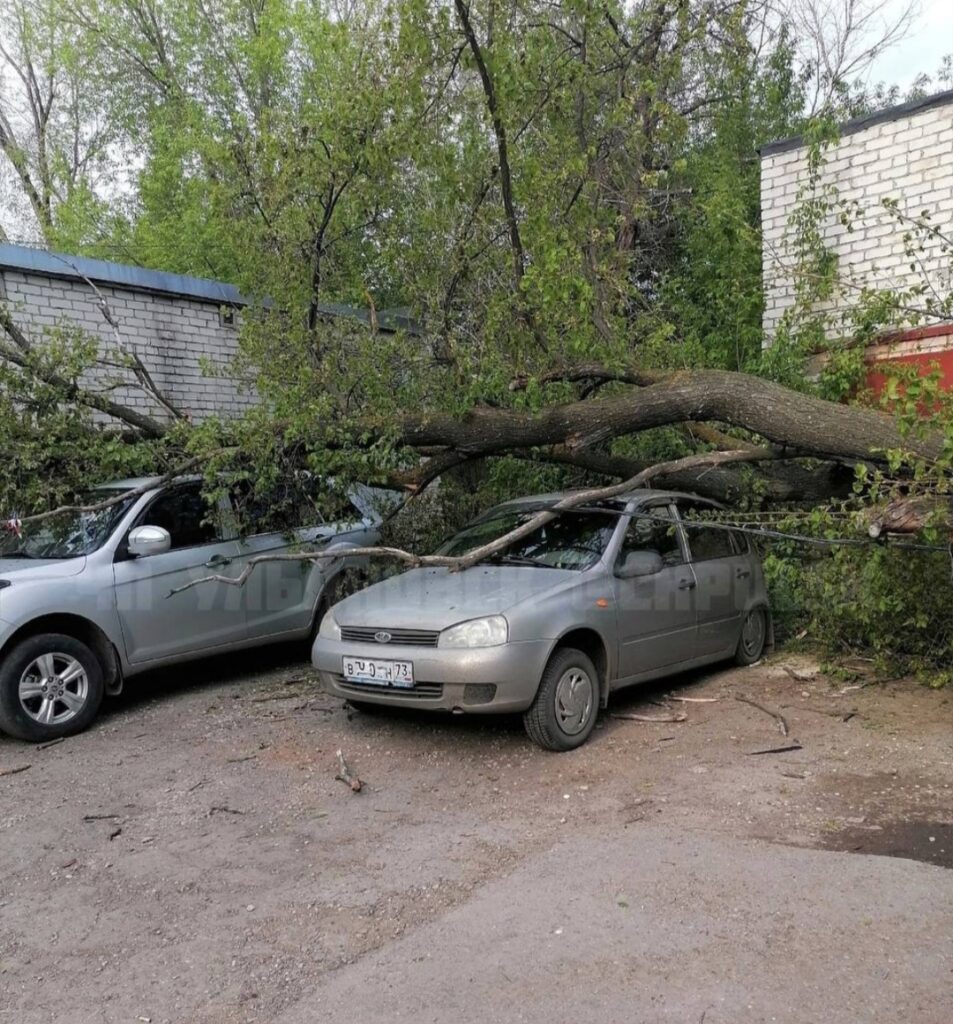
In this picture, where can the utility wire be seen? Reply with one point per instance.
(760, 531)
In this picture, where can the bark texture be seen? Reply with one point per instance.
(801, 424)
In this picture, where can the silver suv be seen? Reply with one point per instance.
(85, 598)
(595, 600)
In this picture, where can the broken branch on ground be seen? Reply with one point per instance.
(776, 715)
(344, 774)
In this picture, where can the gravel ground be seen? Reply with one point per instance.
(192, 858)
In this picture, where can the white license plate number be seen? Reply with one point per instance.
(374, 672)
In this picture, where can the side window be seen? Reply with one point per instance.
(186, 515)
(278, 510)
(657, 533)
(706, 543)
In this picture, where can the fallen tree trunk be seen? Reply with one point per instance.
(781, 481)
(802, 424)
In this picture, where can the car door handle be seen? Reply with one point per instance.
(217, 562)
(687, 584)
(742, 573)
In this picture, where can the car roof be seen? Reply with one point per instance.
(130, 484)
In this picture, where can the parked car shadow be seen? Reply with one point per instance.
(217, 671)
(639, 699)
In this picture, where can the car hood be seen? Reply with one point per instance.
(437, 598)
(29, 569)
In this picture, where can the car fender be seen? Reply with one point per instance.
(87, 628)
(608, 668)
(327, 570)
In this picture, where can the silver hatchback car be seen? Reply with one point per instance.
(596, 599)
(85, 598)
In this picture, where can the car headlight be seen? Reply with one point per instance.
(488, 632)
(329, 629)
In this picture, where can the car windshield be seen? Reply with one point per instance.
(66, 534)
(574, 540)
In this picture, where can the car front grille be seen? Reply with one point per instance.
(374, 635)
(420, 691)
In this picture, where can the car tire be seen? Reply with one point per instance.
(754, 635)
(566, 706)
(51, 685)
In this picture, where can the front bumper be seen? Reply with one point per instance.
(473, 679)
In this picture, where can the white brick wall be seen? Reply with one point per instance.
(171, 335)
(909, 159)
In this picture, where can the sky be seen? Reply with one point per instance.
(922, 50)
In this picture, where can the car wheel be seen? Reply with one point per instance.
(51, 685)
(564, 711)
(754, 632)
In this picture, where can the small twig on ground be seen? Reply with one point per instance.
(239, 760)
(776, 715)
(223, 809)
(844, 716)
(14, 771)
(117, 831)
(101, 817)
(694, 700)
(680, 717)
(775, 750)
(52, 743)
(195, 786)
(345, 774)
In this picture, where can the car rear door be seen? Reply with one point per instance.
(202, 619)
(280, 597)
(722, 574)
(656, 614)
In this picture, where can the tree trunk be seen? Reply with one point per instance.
(801, 424)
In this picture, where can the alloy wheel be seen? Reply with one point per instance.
(53, 688)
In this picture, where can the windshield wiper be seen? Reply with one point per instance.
(515, 560)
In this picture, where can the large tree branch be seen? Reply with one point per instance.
(457, 563)
(799, 422)
(783, 480)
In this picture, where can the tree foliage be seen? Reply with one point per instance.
(563, 195)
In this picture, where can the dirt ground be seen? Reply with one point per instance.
(192, 858)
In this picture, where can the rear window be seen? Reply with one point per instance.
(707, 542)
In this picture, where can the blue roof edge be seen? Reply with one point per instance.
(120, 275)
(44, 263)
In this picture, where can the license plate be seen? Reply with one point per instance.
(374, 672)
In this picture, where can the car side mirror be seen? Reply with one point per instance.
(148, 540)
(640, 563)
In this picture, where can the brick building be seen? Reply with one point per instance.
(178, 326)
(905, 154)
